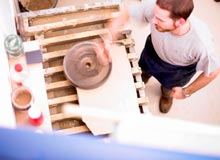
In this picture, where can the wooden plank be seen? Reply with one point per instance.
(58, 85)
(132, 56)
(56, 54)
(71, 37)
(71, 9)
(61, 53)
(60, 100)
(53, 70)
(126, 42)
(60, 116)
(73, 130)
(136, 70)
(143, 101)
(69, 23)
(117, 94)
(139, 85)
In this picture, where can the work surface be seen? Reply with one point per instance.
(37, 85)
(117, 94)
(59, 29)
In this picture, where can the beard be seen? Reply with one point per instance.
(160, 29)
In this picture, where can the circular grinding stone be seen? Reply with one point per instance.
(82, 67)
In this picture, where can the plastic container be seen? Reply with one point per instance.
(20, 74)
(14, 46)
(35, 116)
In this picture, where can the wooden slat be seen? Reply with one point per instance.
(70, 23)
(139, 85)
(62, 84)
(126, 42)
(73, 130)
(71, 37)
(143, 100)
(57, 85)
(52, 55)
(57, 117)
(132, 56)
(71, 9)
(60, 116)
(59, 54)
(59, 100)
(136, 70)
(53, 70)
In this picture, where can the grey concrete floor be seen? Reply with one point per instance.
(204, 105)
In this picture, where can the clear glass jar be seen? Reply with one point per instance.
(14, 46)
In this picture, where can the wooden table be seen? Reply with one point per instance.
(37, 85)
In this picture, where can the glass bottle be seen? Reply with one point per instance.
(14, 46)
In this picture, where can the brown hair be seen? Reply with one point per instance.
(178, 8)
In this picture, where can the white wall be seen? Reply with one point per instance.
(7, 23)
(7, 26)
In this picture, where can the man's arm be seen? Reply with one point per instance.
(200, 82)
(117, 24)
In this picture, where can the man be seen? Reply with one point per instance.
(179, 45)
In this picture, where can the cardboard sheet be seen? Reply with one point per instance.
(117, 94)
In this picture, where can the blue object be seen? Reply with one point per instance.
(23, 144)
(34, 57)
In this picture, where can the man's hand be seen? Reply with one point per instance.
(177, 92)
(201, 81)
(103, 54)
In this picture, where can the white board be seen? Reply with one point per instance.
(117, 94)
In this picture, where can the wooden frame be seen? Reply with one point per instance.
(57, 30)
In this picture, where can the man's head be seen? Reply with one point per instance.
(170, 14)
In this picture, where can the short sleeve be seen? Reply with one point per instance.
(207, 61)
(142, 11)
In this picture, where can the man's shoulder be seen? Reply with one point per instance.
(198, 24)
(201, 31)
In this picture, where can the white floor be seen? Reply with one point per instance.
(204, 105)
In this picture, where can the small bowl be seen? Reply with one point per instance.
(22, 98)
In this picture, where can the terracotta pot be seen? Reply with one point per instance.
(22, 98)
